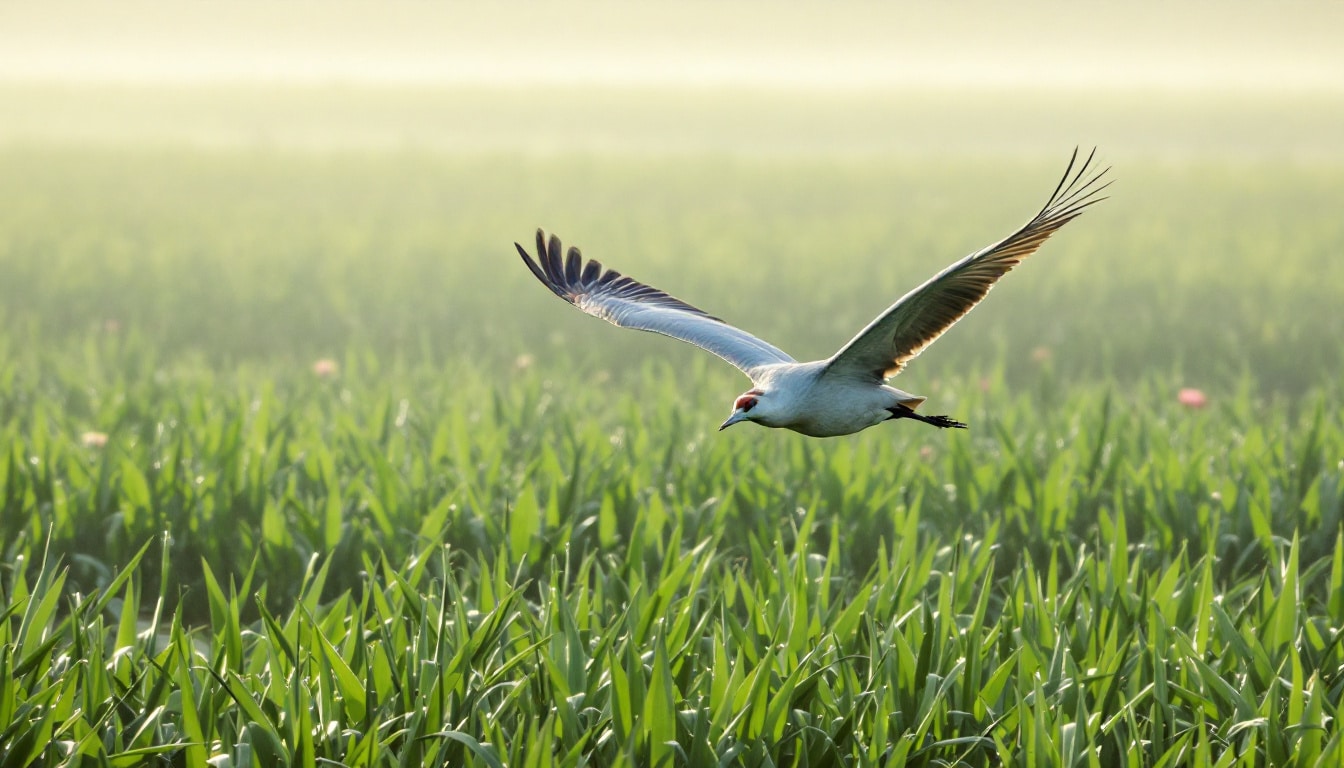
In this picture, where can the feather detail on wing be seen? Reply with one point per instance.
(628, 303)
(880, 350)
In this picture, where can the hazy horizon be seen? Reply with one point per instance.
(1200, 46)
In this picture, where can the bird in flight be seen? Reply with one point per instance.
(846, 392)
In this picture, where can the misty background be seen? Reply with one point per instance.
(796, 75)
(258, 182)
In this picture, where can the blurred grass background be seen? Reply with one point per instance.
(1218, 267)
(288, 181)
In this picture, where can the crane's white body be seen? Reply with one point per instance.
(804, 399)
(846, 392)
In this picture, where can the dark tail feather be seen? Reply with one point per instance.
(905, 412)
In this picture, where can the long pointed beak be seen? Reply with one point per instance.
(736, 417)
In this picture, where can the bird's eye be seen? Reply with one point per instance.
(745, 403)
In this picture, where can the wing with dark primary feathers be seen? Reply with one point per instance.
(921, 316)
(629, 303)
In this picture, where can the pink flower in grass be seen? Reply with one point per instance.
(93, 439)
(325, 368)
(1192, 398)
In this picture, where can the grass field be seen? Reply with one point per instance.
(487, 530)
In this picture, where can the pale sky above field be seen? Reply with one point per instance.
(1180, 46)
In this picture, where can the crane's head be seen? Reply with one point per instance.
(745, 408)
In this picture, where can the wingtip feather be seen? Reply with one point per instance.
(538, 270)
(1076, 191)
(555, 268)
(573, 265)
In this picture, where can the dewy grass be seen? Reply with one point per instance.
(483, 532)
(759, 651)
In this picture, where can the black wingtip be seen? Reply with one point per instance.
(1076, 190)
(555, 268)
(568, 275)
(538, 266)
(573, 265)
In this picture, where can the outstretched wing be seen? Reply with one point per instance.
(914, 322)
(629, 303)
